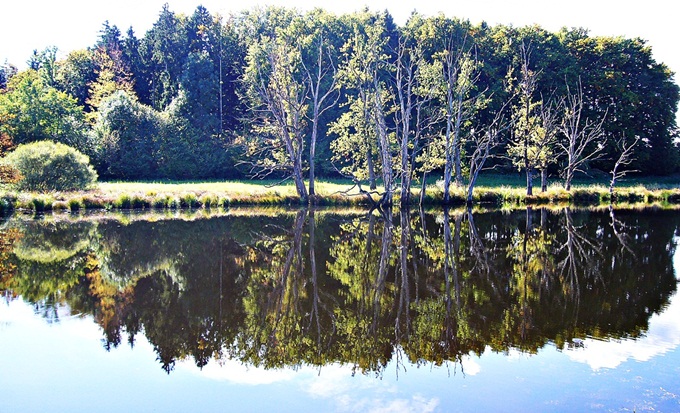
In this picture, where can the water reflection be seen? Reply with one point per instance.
(319, 288)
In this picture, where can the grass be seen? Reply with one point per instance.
(505, 190)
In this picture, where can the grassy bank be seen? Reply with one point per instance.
(493, 191)
(175, 195)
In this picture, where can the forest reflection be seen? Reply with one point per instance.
(314, 287)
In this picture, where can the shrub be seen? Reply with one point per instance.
(41, 204)
(75, 204)
(160, 201)
(123, 202)
(209, 201)
(174, 203)
(189, 200)
(140, 202)
(48, 166)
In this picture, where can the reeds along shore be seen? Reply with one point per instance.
(210, 196)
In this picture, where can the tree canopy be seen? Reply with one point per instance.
(297, 94)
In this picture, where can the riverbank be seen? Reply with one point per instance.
(208, 195)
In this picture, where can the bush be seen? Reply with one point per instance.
(41, 204)
(48, 166)
(189, 200)
(209, 201)
(123, 202)
(75, 204)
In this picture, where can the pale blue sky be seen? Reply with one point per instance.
(72, 24)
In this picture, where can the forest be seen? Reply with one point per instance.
(282, 94)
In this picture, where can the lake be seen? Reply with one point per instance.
(256, 310)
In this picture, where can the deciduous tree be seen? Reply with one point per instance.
(34, 111)
(583, 138)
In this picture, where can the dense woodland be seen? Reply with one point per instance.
(283, 94)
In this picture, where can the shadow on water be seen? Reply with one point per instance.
(314, 287)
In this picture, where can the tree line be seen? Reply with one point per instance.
(278, 93)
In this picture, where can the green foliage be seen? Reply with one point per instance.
(133, 201)
(75, 74)
(129, 135)
(123, 202)
(171, 103)
(112, 76)
(138, 142)
(165, 47)
(75, 204)
(33, 111)
(48, 166)
(355, 142)
(209, 201)
(189, 200)
(41, 204)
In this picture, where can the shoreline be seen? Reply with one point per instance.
(168, 197)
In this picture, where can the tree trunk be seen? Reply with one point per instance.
(447, 181)
(312, 177)
(471, 186)
(544, 179)
(457, 142)
(448, 166)
(530, 182)
(385, 156)
(404, 297)
(448, 150)
(423, 186)
(405, 198)
(299, 182)
(567, 179)
(371, 170)
(312, 157)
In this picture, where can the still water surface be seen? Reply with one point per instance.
(536, 310)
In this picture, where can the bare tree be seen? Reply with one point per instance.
(383, 139)
(620, 166)
(405, 82)
(415, 89)
(291, 81)
(583, 137)
(547, 139)
(321, 80)
(483, 142)
(280, 100)
(460, 75)
(478, 250)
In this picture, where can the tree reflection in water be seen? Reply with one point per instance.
(318, 287)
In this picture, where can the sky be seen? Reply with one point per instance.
(26, 25)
